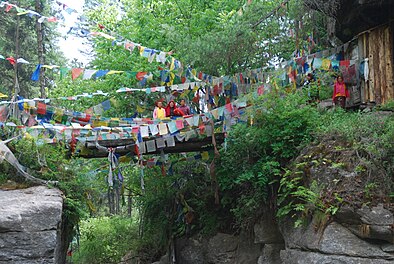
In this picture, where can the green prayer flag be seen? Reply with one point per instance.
(131, 75)
(63, 72)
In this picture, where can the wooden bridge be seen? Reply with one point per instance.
(128, 146)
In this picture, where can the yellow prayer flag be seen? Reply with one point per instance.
(326, 64)
(3, 95)
(51, 67)
(205, 155)
(141, 50)
(124, 159)
(140, 109)
(172, 64)
(114, 72)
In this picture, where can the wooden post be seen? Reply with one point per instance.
(371, 68)
(382, 64)
(389, 48)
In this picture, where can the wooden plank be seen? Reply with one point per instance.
(361, 54)
(376, 76)
(389, 45)
(366, 55)
(371, 69)
(382, 63)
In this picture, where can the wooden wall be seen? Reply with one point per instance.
(378, 46)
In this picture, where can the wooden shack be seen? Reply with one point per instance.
(370, 24)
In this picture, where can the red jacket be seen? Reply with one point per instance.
(340, 90)
(173, 111)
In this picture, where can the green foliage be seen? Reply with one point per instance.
(388, 106)
(256, 154)
(371, 137)
(105, 240)
(300, 201)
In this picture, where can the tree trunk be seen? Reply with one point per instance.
(16, 84)
(15, 109)
(129, 204)
(40, 48)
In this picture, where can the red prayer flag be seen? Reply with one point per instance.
(11, 60)
(135, 130)
(229, 108)
(8, 8)
(52, 19)
(345, 63)
(179, 124)
(202, 129)
(260, 90)
(75, 73)
(41, 108)
(140, 75)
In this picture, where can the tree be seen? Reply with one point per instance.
(20, 40)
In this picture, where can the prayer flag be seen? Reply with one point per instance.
(75, 73)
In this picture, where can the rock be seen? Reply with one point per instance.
(271, 254)
(383, 233)
(222, 249)
(372, 223)
(389, 248)
(29, 222)
(335, 240)
(219, 249)
(293, 256)
(189, 251)
(376, 215)
(247, 251)
(338, 240)
(266, 231)
(347, 214)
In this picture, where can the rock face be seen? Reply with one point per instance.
(334, 244)
(29, 222)
(220, 249)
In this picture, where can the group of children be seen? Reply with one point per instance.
(171, 109)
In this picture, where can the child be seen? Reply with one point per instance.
(340, 93)
(159, 112)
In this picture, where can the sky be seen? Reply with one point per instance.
(70, 44)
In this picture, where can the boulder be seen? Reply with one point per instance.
(222, 249)
(266, 231)
(248, 252)
(293, 256)
(271, 254)
(371, 223)
(189, 251)
(333, 244)
(29, 223)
